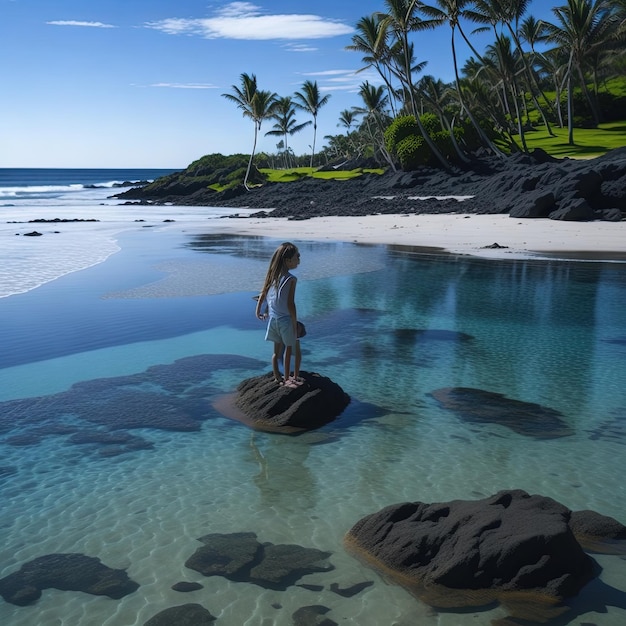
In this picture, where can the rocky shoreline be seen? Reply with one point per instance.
(523, 185)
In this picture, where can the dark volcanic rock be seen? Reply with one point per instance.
(184, 615)
(241, 558)
(599, 533)
(430, 334)
(525, 418)
(448, 552)
(312, 616)
(267, 405)
(536, 203)
(227, 555)
(67, 572)
(576, 210)
(523, 185)
(186, 587)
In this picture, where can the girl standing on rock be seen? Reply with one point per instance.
(278, 293)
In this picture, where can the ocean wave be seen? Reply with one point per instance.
(56, 190)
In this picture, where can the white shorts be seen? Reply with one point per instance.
(280, 330)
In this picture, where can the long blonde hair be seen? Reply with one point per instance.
(278, 267)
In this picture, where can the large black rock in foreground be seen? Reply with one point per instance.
(513, 548)
(264, 405)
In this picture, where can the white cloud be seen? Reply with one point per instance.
(184, 85)
(343, 80)
(244, 20)
(299, 47)
(77, 23)
(331, 73)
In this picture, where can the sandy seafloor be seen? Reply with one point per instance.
(144, 511)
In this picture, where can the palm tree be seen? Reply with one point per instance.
(375, 100)
(554, 65)
(372, 40)
(451, 11)
(506, 63)
(582, 27)
(255, 104)
(402, 19)
(310, 100)
(347, 118)
(285, 115)
(508, 13)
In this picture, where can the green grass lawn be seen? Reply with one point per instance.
(589, 142)
(287, 176)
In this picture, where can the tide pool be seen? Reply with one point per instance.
(141, 345)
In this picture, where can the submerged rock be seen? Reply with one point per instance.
(265, 405)
(67, 572)
(472, 553)
(184, 615)
(525, 418)
(240, 557)
(313, 615)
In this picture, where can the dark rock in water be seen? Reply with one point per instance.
(33, 233)
(241, 558)
(283, 565)
(472, 553)
(266, 405)
(598, 533)
(227, 555)
(186, 587)
(67, 572)
(430, 334)
(525, 418)
(184, 615)
(348, 592)
(312, 616)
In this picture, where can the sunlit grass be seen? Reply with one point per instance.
(297, 173)
(588, 142)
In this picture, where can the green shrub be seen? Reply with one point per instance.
(431, 123)
(401, 128)
(443, 142)
(412, 152)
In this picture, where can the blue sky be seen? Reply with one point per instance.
(138, 83)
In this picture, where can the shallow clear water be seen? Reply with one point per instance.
(390, 326)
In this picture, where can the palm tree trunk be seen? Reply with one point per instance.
(570, 111)
(592, 105)
(520, 121)
(245, 179)
(483, 137)
(529, 78)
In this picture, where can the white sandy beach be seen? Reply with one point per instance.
(455, 233)
(26, 262)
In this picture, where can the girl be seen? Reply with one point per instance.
(279, 292)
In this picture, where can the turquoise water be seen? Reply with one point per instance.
(145, 342)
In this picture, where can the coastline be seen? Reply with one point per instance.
(450, 233)
(28, 262)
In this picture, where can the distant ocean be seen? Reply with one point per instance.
(20, 185)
